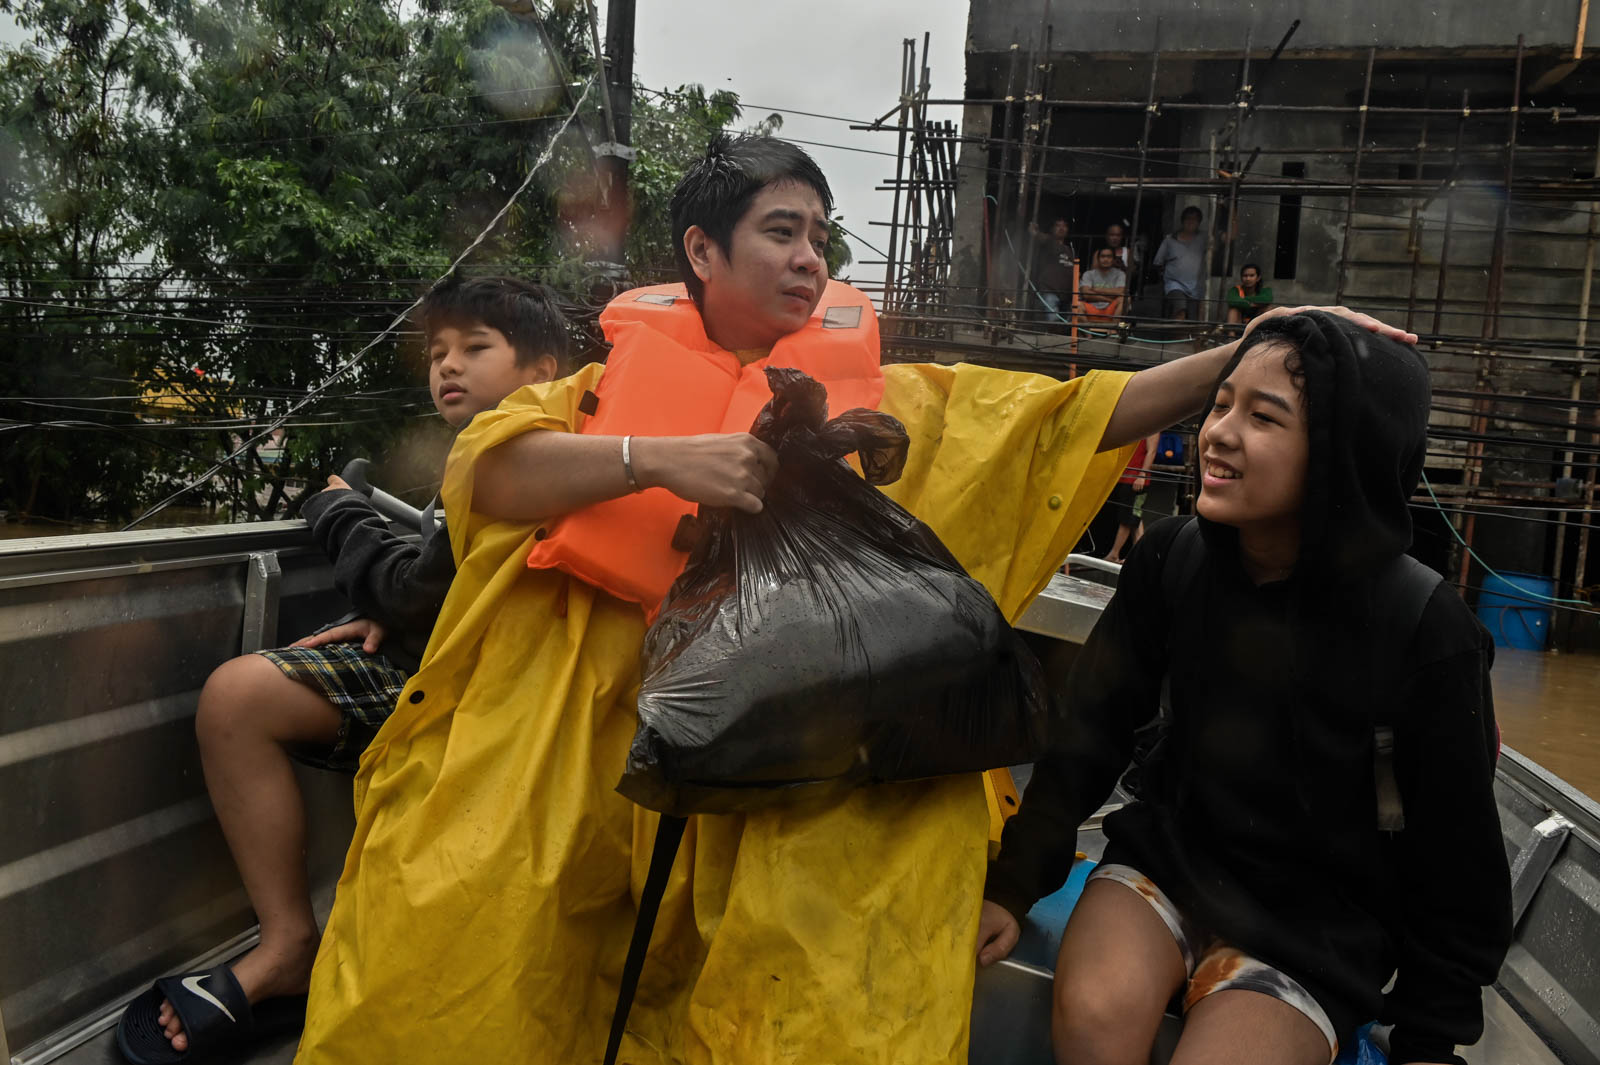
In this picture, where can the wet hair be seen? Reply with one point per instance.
(1191, 210)
(1294, 363)
(528, 313)
(1272, 333)
(1249, 266)
(717, 191)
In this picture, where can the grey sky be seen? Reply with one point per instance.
(833, 57)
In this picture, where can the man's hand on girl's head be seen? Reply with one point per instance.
(1366, 321)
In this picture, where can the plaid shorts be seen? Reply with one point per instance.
(362, 687)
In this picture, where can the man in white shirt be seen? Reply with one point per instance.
(1181, 259)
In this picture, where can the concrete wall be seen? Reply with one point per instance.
(1545, 245)
(1220, 25)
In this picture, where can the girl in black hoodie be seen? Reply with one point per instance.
(1254, 874)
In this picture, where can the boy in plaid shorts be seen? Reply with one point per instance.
(322, 699)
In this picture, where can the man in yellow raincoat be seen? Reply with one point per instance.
(486, 904)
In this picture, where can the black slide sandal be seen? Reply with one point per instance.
(216, 1017)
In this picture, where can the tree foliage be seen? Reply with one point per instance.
(208, 206)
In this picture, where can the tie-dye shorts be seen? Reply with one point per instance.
(1215, 966)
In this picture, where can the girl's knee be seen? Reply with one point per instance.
(1095, 1022)
(234, 694)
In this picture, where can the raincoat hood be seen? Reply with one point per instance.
(1367, 401)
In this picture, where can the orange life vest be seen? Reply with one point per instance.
(665, 377)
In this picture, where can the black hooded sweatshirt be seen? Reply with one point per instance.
(1258, 813)
(399, 583)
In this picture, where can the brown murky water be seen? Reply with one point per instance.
(1548, 706)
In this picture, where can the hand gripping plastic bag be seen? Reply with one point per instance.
(828, 641)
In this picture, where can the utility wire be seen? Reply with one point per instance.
(355, 359)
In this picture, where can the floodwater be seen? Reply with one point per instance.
(169, 518)
(1548, 706)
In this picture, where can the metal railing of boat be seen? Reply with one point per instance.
(112, 869)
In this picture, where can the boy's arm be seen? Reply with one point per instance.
(396, 582)
(542, 475)
(1165, 395)
(1453, 885)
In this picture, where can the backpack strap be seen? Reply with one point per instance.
(669, 834)
(1181, 568)
(1185, 555)
(1404, 588)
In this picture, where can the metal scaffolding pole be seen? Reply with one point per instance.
(1415, 229)
(892, 258)
(1355, 176)
(1022, 302)
(1449, 215)
(1497, 267)
(1472, 476)
(1144, 156)
(1002, 186)
(1561, 114)
(1047, 72)
(1211, 309)
(1236, 171)
(1581, 352)
(911, 237)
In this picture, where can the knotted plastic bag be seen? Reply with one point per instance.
(828, 641)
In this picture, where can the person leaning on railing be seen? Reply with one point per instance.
(1249, 297)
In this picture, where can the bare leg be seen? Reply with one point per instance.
(1115, 554)
(1119, 967)
(1234, 317)
(249, 711)
(1249, 1028)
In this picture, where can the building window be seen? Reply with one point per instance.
(1288, 245)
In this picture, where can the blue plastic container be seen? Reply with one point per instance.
(1514, 617)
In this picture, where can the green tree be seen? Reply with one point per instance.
(245, 193)
(78, 169)
(343, 152)
(207, 206)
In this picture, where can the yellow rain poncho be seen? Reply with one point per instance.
(488, 897)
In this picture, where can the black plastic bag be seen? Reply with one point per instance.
(828, 641)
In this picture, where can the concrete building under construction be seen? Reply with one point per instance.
(1433, 165)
